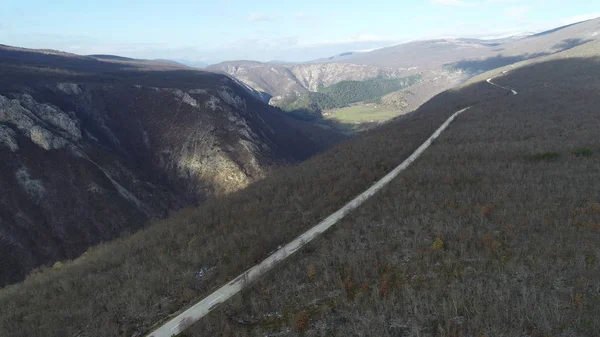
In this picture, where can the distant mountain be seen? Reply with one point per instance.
(193, 64)
(157, 62)
(95, 146)
(476, 55)
(282, 84)
(335, 58)
(111, 57)
(152, 64)
(282, 81)
(441, 64)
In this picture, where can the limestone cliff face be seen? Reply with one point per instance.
(314, 76)
(86, 158)
(275, 82)
(278, 82)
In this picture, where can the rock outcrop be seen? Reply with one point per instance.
(277, 83)
(87, 157)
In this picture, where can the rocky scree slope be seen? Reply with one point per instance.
(91, 150)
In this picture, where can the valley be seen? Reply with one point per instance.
(441, 188)
(442, 238)
(359, 114)
(87, 156)
(428, 67)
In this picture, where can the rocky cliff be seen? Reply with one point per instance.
(281, 81)
(91, 150)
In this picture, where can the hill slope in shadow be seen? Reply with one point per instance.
(94, 149)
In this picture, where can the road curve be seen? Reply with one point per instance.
(489, 80)
(190, 316)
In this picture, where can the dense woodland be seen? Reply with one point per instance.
(342, 94)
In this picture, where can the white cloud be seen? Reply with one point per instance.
(453, 3)
(299, 15)
(579, 18)
(262, 17)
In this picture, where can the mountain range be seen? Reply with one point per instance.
(97, 146)
(133, 188)
(441, 64)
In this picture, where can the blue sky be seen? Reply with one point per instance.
(213, 31)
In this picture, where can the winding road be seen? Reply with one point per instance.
(190, 316)
(489, 80)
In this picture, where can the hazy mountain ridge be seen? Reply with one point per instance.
(433, 54)
(285, 81)
(441, 63)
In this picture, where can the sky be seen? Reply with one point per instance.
(218, 30)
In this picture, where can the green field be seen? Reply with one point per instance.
(360, 114)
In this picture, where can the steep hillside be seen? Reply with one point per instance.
(94, 149)
(497, 220)
(492, 232)
(283, 84)
(285, 81)
(124, 287)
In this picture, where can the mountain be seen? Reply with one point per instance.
(440, 64)
(503, 203)
(193, 64)
(140, 63)
(281, 83)
(474, 55)
(502, 209)
(336, 58)
(96, 146)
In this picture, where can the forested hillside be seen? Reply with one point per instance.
(125, 286)
(91, 149)
(494, 231)
(345, 93)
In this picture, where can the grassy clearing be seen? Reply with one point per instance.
(344, 93)
(361, 114)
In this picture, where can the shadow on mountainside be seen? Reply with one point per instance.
(478, 66)
(570, 43)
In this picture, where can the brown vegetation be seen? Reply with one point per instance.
(520, 236)
(516, 258)
(132, 283)
(140, 144)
